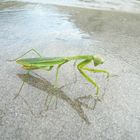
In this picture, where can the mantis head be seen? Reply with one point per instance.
(98, 60)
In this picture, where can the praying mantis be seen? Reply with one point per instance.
(47, 63)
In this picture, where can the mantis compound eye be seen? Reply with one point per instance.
(98, 60)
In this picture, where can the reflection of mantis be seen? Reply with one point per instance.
(48, 63)
(44, 85)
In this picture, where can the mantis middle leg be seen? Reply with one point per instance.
(49, 68)
(57, 70)
(80, 67)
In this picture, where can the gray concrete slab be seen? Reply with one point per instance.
(43, 112)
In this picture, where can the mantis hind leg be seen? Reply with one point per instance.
(21, 87)
(80, 67)
(19, 90)
(33, 50)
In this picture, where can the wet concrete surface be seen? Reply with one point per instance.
(43, 112)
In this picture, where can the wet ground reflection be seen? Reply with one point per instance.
(44, 85)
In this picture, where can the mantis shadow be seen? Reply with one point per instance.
(44, 85)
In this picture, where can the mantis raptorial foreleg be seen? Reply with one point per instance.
(80, 67)
(27, 53)
(97, 71)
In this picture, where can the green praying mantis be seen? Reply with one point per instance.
(47, 63)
